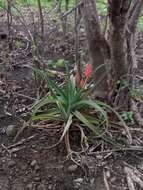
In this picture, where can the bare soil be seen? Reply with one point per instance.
(27, 163)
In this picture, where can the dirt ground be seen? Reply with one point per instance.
(27, 163)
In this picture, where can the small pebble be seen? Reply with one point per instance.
(25, 180)
(37, 179)
(37, 167)
(50, 187)
(92, 181)
(108, 174)
(10, 130)
(78, 180)
(11, 163)
(33, 163)
(40, 187)
(72, 168)
(23, 167)
(29, 186)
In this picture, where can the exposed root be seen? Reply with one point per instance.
(137, 115)
(106, 180)
(25, 125)
(133, 176)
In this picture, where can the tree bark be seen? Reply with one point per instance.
(133, 16)
(117, 36)
(123, 16)
(98, 47)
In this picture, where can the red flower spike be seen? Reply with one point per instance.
(88, 71)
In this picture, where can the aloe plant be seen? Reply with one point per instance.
(69, 103)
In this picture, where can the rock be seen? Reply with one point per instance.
(23, 167)
(29, 186)
(37, 167)
(37, 179)
(78, 180)
(72, 168)
(11, 163)
(33, 163)
(33, 145)
(10, 130)
(1, 150)
(41, 187)
(17, 186)
(3, 130)
(25, 180)
(50, 187)
(92, 181)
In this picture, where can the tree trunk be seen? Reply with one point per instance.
(117, 37)
(123, 16)
(117, 11)
(98, 47)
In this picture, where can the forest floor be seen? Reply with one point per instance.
(26, 163)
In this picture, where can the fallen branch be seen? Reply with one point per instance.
(133, 175)
(106, 180)
(131, 148)
(137, 115)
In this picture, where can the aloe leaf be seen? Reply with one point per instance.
(95, 129)
(93, 119)
(66, 127)
(44, 101)
(51, 84)
(93, 104)
(62, 110)
(47, 116)
(119, 117)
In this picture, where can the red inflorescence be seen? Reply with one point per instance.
(88, 71)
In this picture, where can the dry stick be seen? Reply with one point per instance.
(133, 15)
(65, 19)
(42, 30)
(41, 18)
(21, 142)
(24, 96)
(59, 6)
(137, 115)
(83, 140)
(23, 22)
(70, 11)
(132, 148)
(6, 149)
(105, 180)
(25, 125)
(105, 31)
(78, 65)
(130, 181)
(9, 22)
(134, 175)
(35, 52)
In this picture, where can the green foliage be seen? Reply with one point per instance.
(44, 3)
(65, 100)
(102, 6)
(140, 21)
(60, 63)
(127, 116)
(18, 44)
(68, 104)
(137, 93)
